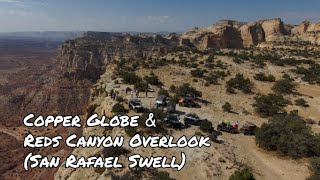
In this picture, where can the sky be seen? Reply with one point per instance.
(145, 15)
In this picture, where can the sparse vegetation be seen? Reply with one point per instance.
(131, 131)
(301, 102)
(198, 72)
(262, 77)
(310, 75)
(141, 86)
(227, 107)
(270, 105)
(206, 126)
(240, 83)
(153, 80)
(163, 92)
(114, 151)
(119, 108)
(186, 90)
(315, 169)
(242, 174)
(284, 86)
(130, 77)
(289, 135)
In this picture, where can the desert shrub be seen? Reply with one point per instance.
(310, 121)
(160, 62)
(284, 86)
(206, 126)
(119, 108)
(269, 105)
(197, 72)
(310, 75)
(153, 80)
(163, 175)
(210, 59)
(159, 115)
(240, 83)
(186, 90)
(130, 77)
(242, 174)
(126, 176)
(211, 78)
(172, 88)
(163, 92)
(114, 151)
(193, 65)
(131, 131)
(238, 60)
(315, 169)
(119, 99)
(262, 77)
(289, 135)
(141, 86)
(230, 90)
(259, 62)
(301, 102)
(227, 107)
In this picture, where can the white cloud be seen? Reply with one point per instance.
(156, 19)
(10, 1)
(15, 12)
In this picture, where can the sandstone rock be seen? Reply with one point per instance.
(87, 57)
(252, 34)
(272, 28)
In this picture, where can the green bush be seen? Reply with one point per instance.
(119, 108)
(163, 175)
(210, 59)
(262, 77)
(238, 60)
(163, 92)
(227, 107)
(269, 105)
(197, 72)
(131, 131)
(153, 80)
(284, 86)
(315, 169)
(242, 174)
(301, 102)
(206, 126)
(186, 90)
(114, 151)
(240, 83)
(141, 86)
(289, 135)
(159, 115)
(310, 75)
(130, 77)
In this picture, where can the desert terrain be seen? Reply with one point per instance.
(225, 67)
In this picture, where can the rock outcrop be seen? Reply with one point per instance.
(252, 34)
(273, 28)
(308, 31)
(88, 56)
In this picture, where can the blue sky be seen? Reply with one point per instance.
(145, 15)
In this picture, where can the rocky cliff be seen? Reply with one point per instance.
(88, 56)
